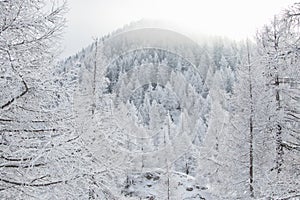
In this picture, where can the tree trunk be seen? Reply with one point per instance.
(279, 147)
(94, 77)
(250, 126)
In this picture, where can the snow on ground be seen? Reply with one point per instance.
(159, 184)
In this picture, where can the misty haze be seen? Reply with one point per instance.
(149, 100)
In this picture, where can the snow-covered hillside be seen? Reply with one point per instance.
(146, 112)
(145, 96)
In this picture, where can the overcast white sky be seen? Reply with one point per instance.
(235, 19)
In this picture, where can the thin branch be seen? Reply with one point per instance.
(15, 159)
(20, 166)
(22, 80)
(30, 184)
(28, 130)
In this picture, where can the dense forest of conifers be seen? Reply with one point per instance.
(147, 113)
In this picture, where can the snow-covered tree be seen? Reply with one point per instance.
(41, 152)
(278, 44)
(244, 126)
